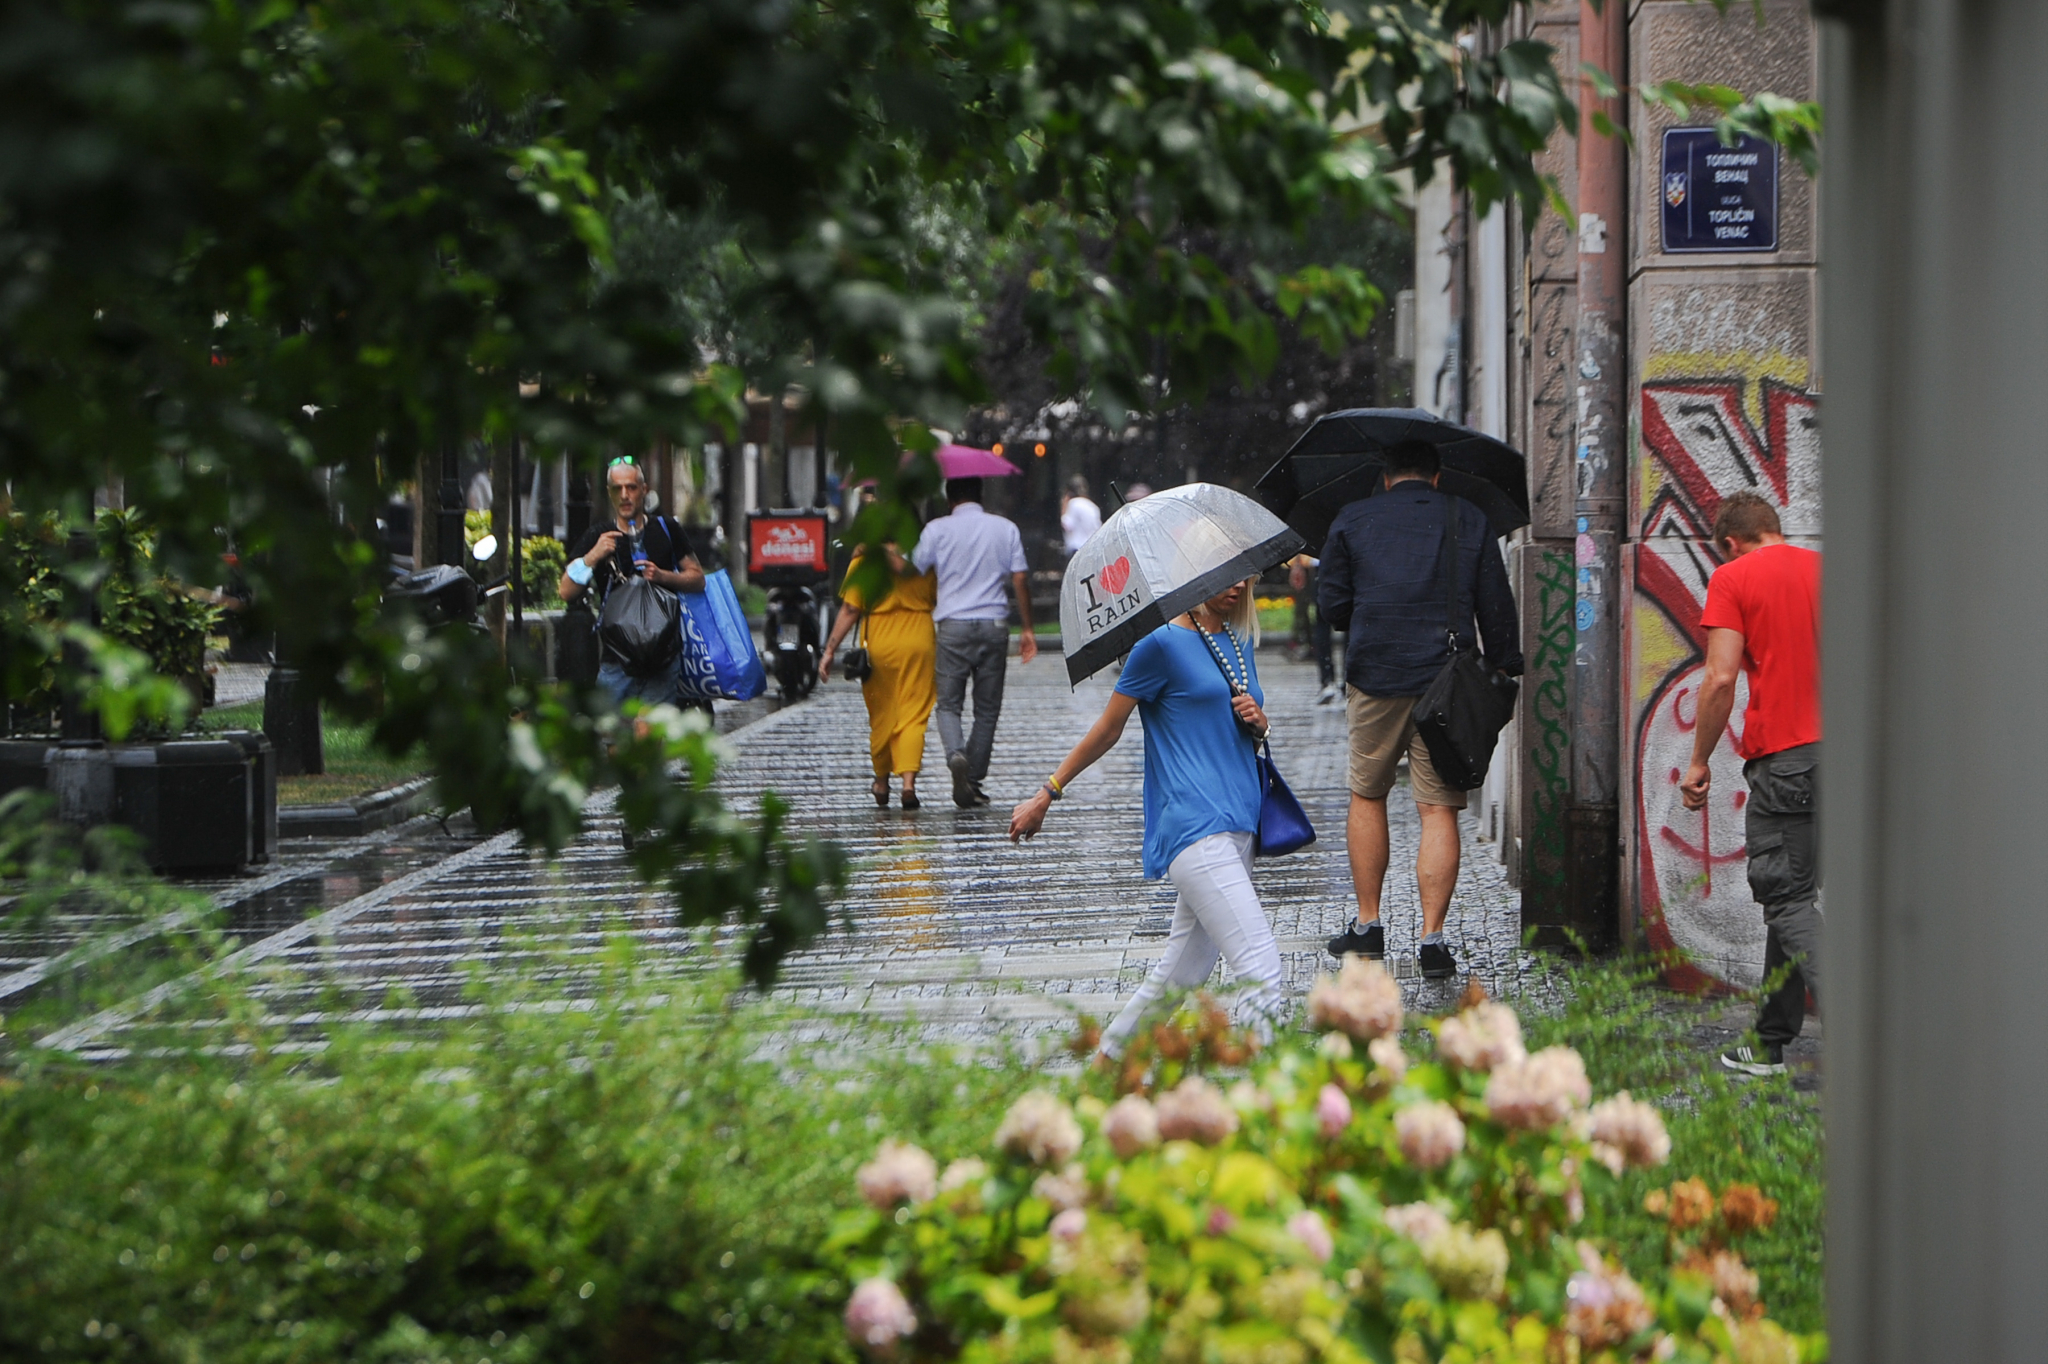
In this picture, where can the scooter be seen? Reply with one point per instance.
(793, 632)
(788, 553)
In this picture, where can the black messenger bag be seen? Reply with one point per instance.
(1461, 715)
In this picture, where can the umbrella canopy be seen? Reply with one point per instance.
(1154, 559)
(964, 461)
(1339, 460)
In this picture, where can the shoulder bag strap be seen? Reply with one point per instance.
(1450, 572)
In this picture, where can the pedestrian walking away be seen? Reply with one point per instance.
(976, 555)
(1762, 619)
(1382, 581)
(1195, 683)
(1311, 630)
(1080, 518)
(633, 542)
(901, 687)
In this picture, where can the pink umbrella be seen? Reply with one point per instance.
(964, 461)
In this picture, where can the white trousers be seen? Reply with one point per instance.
(1218, 914)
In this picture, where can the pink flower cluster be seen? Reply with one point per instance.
(1313, 1233)
(1626, 1132)
(1483, 1038)
(1419, 1222)
(877, 1316)
(1195, 1110)
(1065, 1190)
(1333, 1111)
(899, 1173)
(1362, 1001)
(1130, 1126)
(1069, 1225)
(1040, 1129)
(1540, 1091)
(1603, 1305)
(1431, 1134)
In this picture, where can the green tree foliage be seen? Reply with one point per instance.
(263, 258)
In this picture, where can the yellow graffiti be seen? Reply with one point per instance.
(1751, 367)
(1661, 649)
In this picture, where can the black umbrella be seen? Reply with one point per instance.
(1339, 460)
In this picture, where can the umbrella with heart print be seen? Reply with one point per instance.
(1154, 559)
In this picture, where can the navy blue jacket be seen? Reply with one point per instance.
(1381, 581)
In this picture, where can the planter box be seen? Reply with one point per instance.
(201, 803)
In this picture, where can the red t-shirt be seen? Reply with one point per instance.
(1772, 595)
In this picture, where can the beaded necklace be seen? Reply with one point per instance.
(1239, 677)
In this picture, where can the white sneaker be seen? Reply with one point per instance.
(1327, 695)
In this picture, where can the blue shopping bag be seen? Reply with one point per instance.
(719, 659)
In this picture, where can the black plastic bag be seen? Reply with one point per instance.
(639, 628)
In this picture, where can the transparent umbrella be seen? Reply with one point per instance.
(1154, 559)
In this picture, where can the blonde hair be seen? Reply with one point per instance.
(1244, 617)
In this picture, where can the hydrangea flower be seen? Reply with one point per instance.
(1333, 1111)
(899, 1173)
(1195, 1110)
(1310, 1229)
(877, 1316)
(1468, 1263)
(1603, 1305)
(1419, 1222)
(1626, 1133)
(1069, 1225)
(1386, 1054)
(1431, 1134)
(1065, 1190)
(1540, 1091)
(1483, 1038)
(1130, 1126)
(1040, 1129)
(1362, 1001)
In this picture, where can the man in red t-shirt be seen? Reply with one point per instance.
(1763, 617)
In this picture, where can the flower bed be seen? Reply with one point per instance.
(1337, 1201)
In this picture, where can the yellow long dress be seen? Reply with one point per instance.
(903, 688)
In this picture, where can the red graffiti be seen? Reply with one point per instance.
(1700, 439)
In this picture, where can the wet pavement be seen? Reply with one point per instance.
(951, 927)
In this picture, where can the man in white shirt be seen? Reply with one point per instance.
(976, 554)
(1079, 517)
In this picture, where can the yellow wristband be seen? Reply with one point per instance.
(1052, 784)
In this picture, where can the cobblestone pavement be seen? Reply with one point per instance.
(951, 926)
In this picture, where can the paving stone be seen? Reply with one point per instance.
(951, 925)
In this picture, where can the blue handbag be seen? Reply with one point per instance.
(1283, 824)
(719, 659)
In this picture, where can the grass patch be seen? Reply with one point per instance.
(1276, 617)
(355, 767)
(1724, 1131)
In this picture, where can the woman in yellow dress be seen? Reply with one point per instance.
(903, 650)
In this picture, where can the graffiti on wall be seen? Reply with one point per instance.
(1754, 426)
(1547, 729)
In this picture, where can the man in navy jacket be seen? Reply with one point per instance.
(1382, 582)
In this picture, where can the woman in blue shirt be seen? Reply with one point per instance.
(1196, 685)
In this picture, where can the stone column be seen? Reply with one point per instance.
(1722, 348)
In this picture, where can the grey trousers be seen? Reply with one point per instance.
(1784, 875)
(976, 651)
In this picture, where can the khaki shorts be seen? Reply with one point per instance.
(1382, 728)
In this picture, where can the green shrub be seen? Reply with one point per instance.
(548, 1185)
(542, 561)
(1338, 1203)
(672, 1172)
(139, 607)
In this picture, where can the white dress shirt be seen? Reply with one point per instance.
(975, 553)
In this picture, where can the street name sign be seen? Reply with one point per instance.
(1719, 198)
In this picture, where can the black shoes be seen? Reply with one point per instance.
(1369, 942)
(964, 794)
(1762, 1060)
(1436, 961)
